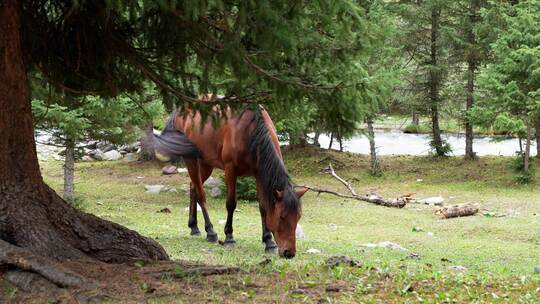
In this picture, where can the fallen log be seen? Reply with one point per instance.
(399, 202)
(457, 211)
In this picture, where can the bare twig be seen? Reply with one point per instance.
(399, 202)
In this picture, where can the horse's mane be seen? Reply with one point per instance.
(271, 170)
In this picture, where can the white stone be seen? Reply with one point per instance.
(154, 189)
(112, 155)
(181, 170)
(131, 157)
(87, 158)
(458, 268)
(333, 226)
(97, 154)
(198, 209)
(300, 232)
(222, 222)
(216, 192)
(313, 251)
(211, 183)
(434, 201)
(384, 244)
(537, 269)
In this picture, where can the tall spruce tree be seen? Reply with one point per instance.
(244, 49)
(425, 24)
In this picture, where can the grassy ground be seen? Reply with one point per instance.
(498, 252)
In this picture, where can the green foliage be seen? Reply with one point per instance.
(246, 189)
(522, 176)
(76, 119)
(444, 149)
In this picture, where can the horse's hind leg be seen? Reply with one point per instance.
(198, 174)
(192, 222)
(230, 180)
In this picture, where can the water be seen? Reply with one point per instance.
(395, 142)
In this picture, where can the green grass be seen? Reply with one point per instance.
(498, 252)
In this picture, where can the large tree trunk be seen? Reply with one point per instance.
(374, 167)
(472, 63)
(69, 171)
(331, 141)
(33, 218)
(415, 118)
(434, 81)
(147, 146)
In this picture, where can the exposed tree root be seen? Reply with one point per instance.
(51, 270)
(399, 202)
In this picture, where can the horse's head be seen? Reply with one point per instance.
(282, 219)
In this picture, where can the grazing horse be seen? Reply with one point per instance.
(243, 144)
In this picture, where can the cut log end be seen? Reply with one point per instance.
(457, 211)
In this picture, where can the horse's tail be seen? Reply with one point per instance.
(173, 144)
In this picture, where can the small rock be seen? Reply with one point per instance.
(96, 154)
(181, 170)
(414, 255)
(457, 268)
(131, 157)
(198, 209)
(419, 180)
(112, 155)
(216, 192)
(300, 232)
(222, 222)
(385, 244)
(313, 251)
(537, 269)
(337, 260)
(430, 234)
(140, 177)
(172, 189)
(87, 158)
(154, 189)
(105, 147)
(434, 201)
(333, 226)
(168, 170)
(211, 183)
(165, 210)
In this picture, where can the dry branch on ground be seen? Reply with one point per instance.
(399, 202)
(457, 211)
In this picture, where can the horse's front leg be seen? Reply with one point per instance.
(230, 181)
(270, 246)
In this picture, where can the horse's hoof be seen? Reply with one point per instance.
(195, 232)
(229, 244)
(212, 238)
(271, 250)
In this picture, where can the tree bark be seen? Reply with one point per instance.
(69, 171)
(537, 127)
(33, 216)
(472, 62)
(434, 81)
(331, 141)
(340, 141)
(316, 138)
(457, 211)
(527, 155)
(147, 146)
(415, 118)
(374, 166)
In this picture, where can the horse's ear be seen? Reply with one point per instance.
(278, 195)
(301, 191)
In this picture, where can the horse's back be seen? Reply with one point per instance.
(227, 143)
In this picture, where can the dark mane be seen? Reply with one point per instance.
(271, 170)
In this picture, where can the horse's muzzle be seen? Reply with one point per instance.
(288, 254)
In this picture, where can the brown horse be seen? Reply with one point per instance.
(243, 144)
